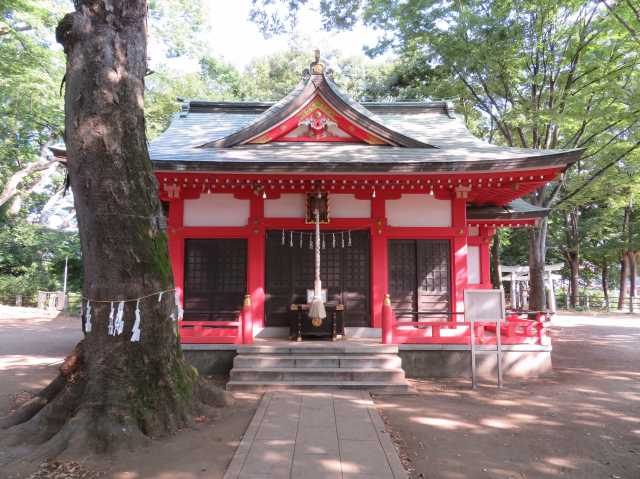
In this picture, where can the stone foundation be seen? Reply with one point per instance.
(418, 361)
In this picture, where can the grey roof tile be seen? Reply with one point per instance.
(179, 143)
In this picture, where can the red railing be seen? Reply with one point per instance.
(238, 331)
(517, 328)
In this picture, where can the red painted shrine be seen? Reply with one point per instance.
(413, 202)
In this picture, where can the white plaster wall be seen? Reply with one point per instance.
(347, 206)
(418, 210)
(218, 209)
(287, 206)
(474, 231)
(473, 264)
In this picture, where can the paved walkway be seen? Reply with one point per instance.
(316, 434)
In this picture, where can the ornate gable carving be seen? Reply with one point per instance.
(317, 121)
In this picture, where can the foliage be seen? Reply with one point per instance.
(31, 118)
(267, 78)
(32, 258)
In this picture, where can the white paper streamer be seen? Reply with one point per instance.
(159, 297)
(110, 328)
(135, 333)
(179, 307)
(87, 320)
(118, 325)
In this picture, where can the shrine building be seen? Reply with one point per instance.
(409, 201)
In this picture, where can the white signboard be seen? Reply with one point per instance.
(484, 305)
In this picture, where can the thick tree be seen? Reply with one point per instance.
(113, 391)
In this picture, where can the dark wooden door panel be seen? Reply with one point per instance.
(402, 277)
(215, 278)
(344, 273)
(419, 278)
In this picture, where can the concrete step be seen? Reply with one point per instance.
(380, 361)
(317, 374)
(324, 348)
(375, 386)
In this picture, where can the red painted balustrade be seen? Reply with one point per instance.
(517, 328)
(238, 331)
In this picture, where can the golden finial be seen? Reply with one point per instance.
(317, 68)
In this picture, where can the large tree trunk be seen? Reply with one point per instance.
(574, 267)
(496, 271)
(537, 254)
(605, 284)
(632, 279)
(116, 391)
(623, 282)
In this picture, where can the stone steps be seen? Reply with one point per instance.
(387, 361)
(345, 365)
(286, 385)
(318, 374)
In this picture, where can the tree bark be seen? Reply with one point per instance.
(537, 255)
(122, 390)
(496, 270)
(574, 267)
(605, 284)
(623, 282)
(632, 279)
(624, 261)
(12, 187)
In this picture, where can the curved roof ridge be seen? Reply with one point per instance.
(306, 91)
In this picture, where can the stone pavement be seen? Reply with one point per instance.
(316, 434)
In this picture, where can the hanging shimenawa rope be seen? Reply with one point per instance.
(115, 323)
(307, 237)
(317, 311)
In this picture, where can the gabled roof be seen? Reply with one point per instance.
(409, 137)
(317, 88)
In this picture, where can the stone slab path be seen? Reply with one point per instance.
(316, 434)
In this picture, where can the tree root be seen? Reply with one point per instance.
(66, 420)
(44, 397)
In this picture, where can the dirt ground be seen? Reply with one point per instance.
(582, 422)
(32, 345)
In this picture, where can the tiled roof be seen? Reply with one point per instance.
(516, 210)
(456, 148)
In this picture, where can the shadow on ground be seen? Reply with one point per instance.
(583, 422)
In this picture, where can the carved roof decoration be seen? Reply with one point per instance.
(317, 93)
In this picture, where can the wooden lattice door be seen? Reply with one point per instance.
(344, 273)
(420, 279)
(215, 278)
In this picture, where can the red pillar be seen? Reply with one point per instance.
(387, 321)
(256, 260)
(379, 258)
(459, 255)
(485, 256)
(246, 321)
(176, 244)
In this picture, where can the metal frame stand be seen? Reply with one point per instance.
(486, 306)
(497, 351)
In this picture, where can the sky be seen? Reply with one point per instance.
(238, 40)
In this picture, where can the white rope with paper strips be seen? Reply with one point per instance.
(116, 319)
(341, 238)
